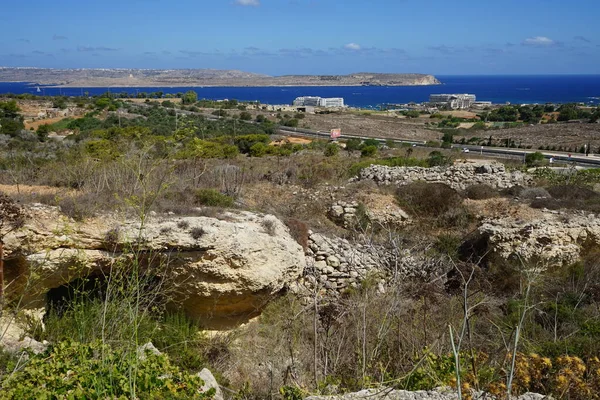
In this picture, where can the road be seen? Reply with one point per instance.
(497, 152)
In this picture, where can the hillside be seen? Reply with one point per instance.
(199, 77)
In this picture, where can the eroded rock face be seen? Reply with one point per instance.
(215, 267)
(347, 214)
(458, 176)
(552, 238)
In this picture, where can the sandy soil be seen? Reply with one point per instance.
(36, 124)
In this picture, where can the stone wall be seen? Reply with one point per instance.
(335, 264)
(347, 215)
(458, 176)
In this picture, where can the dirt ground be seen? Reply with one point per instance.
(566, 135)
(36, 124)
(366, 125)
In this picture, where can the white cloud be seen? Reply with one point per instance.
(352, 46)
(252, 3)
(541, 41)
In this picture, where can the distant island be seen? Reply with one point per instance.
(199, 77)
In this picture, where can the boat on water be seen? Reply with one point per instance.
(38, 89)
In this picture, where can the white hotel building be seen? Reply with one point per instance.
(315, 101)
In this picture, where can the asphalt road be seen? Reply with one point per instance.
(498, 152)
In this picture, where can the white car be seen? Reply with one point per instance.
(465, 150)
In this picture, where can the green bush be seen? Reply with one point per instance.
(245, 142)
(245, 116)
(71, 370)
(534, 159)
(213, 198)
(353, 144)
(258, 149)
(436, 158)
(331, 150)
(368, 151)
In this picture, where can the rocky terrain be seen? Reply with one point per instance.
(222, 268)
(392, 394)
(572, 135)
(199, 77)
(551, 239)
(458, 176)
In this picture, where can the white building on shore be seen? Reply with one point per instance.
(453, 101)
(315, 101)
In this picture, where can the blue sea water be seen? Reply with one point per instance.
(497, 89)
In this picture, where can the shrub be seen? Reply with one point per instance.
(534, 193)
(353, 144)
(481, 192)
(197, 232)
(258, 149)
(371, 142)
(534, 159)
(71, 370)
(428, 199)
(213, 198)
(368, 151)
(299, 231)
(331, 150)
(436, 158)
(245, 116)
(245, 142)
(573, 192)
(545, 202)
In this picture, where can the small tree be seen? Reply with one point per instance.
(245, 116)
(11, 218)
(533, 159)
(190, 97)
(331, 150)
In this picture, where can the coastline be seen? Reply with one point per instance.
(216, 86)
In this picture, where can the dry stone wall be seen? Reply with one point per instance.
(458, 176)
(335, 264)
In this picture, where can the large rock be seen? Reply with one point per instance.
(217, 267)
(550, 238)
(210, 383)
(458, 176)
(13, 339)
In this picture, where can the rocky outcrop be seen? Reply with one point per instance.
(458, 176)
(14, 339)
(552, 238)
(439, 394)
(217, 267)
(210, 383)
(348, 215)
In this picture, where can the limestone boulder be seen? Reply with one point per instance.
(551, 238)
(214, 267)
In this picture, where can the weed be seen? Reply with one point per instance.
(197, 232)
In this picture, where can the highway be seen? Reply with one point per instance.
(497, 152)
(592, 161)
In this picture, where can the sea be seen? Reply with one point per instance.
(499, 89)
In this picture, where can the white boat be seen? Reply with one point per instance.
(38, 89)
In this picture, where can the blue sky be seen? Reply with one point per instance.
(280, 37)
